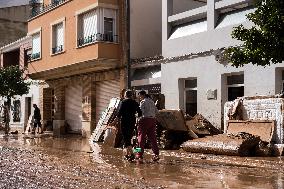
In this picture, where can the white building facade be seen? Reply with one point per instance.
(14, 54)
(193, 79)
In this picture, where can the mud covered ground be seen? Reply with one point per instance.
(40, 163)
(47, 162)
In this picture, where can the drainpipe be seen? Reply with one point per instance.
(128, 65)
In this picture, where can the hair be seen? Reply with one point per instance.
(128, 94)
(122, 92)
(148, 96)
(143, 93)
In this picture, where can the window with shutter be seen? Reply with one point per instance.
(110, 25)
(89, 28)
(36, 46)
(58, 38)
(97, 25)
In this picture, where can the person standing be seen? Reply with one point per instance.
(37, 118)
(147, 125)
(126, 114)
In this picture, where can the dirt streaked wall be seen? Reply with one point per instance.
(13, 23)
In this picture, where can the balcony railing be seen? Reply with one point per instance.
(33, 56)
(57, 49)
(97, 37)
(45, 8)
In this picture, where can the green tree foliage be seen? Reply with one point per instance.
(263, 43)
(12, 83)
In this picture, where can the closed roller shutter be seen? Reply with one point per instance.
(73, 108)
(105, 90)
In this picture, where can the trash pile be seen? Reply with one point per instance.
(252, 126)
(241, 144)
(175, 128)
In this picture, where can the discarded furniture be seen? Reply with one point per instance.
(262, 128)
(201, 126)
(172, 120)
(241, 144)
(107, 116)
(263, 108)
(174, 130)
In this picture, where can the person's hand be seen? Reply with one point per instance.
(114, 122)
(138, 119)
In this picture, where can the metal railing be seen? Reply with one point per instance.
(45, 8)
(97, 37)
(57, 49)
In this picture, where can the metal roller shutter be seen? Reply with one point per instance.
(105, 90)
(73, 108)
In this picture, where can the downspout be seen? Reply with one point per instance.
(128, 65)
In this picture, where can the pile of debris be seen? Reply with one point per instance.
(196, 134)
(175, 128)
(241, 144)
(253, 126)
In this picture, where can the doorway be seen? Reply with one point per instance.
(190, 96)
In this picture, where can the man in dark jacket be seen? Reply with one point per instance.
(37, 118)
(128, 109)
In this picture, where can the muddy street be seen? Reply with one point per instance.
(47, 162)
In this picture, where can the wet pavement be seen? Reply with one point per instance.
(46, 162)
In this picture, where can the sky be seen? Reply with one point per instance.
(10, 3)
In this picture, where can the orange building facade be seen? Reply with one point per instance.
(78, 50)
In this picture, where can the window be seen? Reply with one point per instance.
(109, 23)
(57, 38)
(235, 85)
(97, 25)
(190, 96)
(88, 28)
(36, 46)
(108, 29)
(16, 111)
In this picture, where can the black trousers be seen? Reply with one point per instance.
(37, 123)
(127, 128)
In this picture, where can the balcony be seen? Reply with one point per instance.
(44, 8)
(57, 49)
(97, 37)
